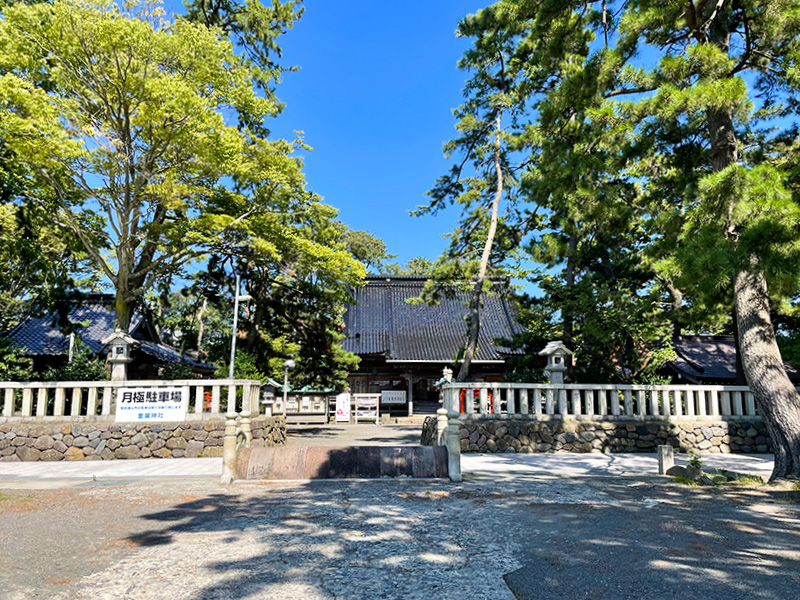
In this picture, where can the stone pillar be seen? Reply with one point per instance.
(410, 378)
(453, 447)
(666, 459)
(441, 427)
(245, 435)
(229, 449)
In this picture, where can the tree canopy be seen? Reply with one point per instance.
(659, 187)
(143, 138)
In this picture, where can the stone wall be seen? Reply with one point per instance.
(52, 441)
(556, 435)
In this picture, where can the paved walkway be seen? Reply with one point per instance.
(476, 467)
(511, 467)
(353, 435)
(535, 538)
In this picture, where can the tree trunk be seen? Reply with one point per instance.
(567, 308)
(124, 307)
(474, 319)
(737, 345)
(200, 324)
(776, 398)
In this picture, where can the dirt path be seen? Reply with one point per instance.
(547, 538)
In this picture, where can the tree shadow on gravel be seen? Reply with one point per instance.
(561, 538)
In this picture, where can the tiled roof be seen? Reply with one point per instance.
(382, 322)
(709, 357)
(40, 336)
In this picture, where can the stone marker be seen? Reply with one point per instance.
(666, 459)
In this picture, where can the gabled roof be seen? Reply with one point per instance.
(40, 336)
(710, 358)
(382, 322)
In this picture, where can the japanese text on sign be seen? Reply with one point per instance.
(151, 404)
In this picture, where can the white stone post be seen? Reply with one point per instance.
(441, 427)
(229, 449)
(244, 429)
(453, 447)
(666, 459)
(410, 378)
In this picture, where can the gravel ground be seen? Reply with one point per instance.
(541, 537)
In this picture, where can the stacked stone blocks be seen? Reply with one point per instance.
(492, 435)
(109, 441)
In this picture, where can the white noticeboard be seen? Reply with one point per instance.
(147, 404)
(393, 397)
(343, 408)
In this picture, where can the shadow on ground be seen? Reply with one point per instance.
(557, 538)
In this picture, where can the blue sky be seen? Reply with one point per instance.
(374, 94)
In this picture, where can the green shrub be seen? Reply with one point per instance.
(177, 370)
(13, 365)
(84, 366)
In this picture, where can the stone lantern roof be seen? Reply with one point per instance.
(554, 348)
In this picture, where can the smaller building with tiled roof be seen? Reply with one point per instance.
(709, 360)
(405, 345)
(42, 339)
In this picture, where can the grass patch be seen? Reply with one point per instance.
(684, 480)
(746, 479)
(14, 497)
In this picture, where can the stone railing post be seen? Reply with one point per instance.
(244, 431)
(441, 427)
(229, 449)
(453, 447)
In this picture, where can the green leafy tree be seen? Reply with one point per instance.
(370, 251)
(84, 366)
(14, 366)
(693, 92)
(121, 115)
(485, 172)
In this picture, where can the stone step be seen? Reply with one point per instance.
(356, 462)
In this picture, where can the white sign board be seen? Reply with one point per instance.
(148, 404)
(393, 397)
(343, 408)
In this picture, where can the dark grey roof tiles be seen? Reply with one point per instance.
(40, 336)
(383, 322)
(709, 357)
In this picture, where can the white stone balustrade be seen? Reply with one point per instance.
(76, 400)
(599, 401)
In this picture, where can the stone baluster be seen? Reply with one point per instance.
(441, 427)
(245, 432)
(8, 403)
(27, 399)
(627, 396)
(453, 447)
(654, 409)
(41, 402)
(615, 403)
(229, 449)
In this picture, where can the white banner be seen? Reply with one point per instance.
(343, 408)
(393, 397)
(145, 405)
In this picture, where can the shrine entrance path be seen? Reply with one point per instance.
(353, 435)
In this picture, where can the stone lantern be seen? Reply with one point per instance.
(447, 374)
(120, 345)
(557, 356)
